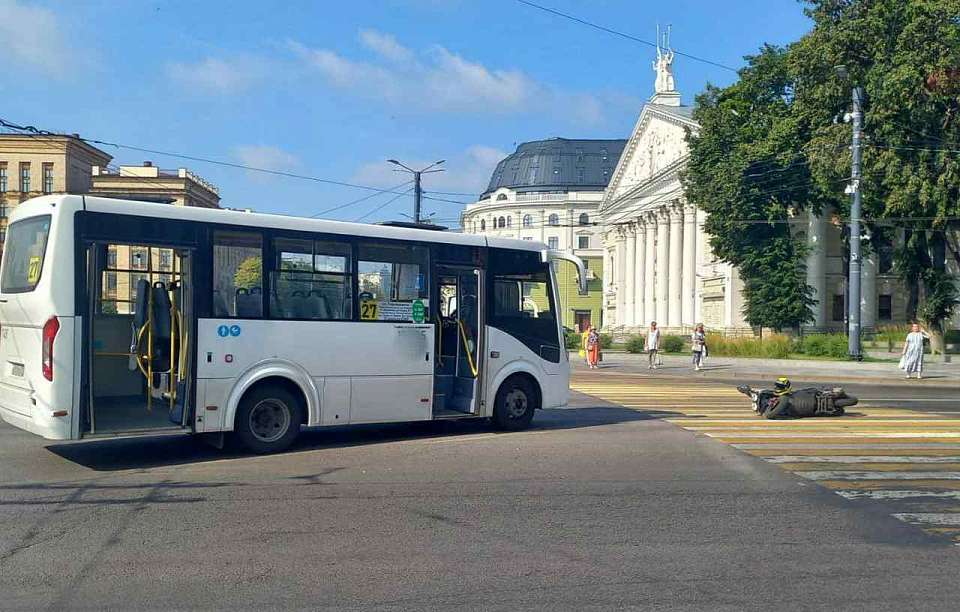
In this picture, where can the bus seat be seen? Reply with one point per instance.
(249, 303)
(318, 306)
(140, 303)
(161, 311)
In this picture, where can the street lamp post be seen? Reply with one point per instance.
(853, 306)
(417, 190)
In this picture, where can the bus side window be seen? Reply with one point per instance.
(237, 274)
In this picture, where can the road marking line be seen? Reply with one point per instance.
(897, 494)
(772, 446)
(861, 459)
(831, 434)
(852, 475)
(951, 519)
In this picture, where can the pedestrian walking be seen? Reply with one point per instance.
(911, 358)
(652, 345)
(593, 348)
(698, 345)
(583, 344)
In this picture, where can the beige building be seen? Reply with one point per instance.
(34, 165)
(149, 183)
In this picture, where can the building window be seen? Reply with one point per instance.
(528, 238)
(579, 156)
(603, 154)
(25, 177)
(584, 219)
(838, 309)
(112, 258)
(166, 259)
(483, 224)
(501, 223)
(583, 242)
(527, 221)
(47, 178)
(553, 220)
(580, 175)
(553, 242)
(501, 197)
(3, 177)
(885, 308)
(509, 221)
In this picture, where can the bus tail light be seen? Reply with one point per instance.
(50, 329)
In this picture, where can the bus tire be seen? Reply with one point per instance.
(268, 419)
(515, 404)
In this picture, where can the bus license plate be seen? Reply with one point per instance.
(16, 369)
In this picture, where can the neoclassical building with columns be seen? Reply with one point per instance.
(661, 267)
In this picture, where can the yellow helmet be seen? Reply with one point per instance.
(782, 385)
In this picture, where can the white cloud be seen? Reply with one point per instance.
(32, 35)
(385, 45)
(467, 171)
(434, 80)
(267, 157)
(218, 75)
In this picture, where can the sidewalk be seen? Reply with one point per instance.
(935, 373)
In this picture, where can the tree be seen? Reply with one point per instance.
(746, 171)
(771, 146)
(906, 55)
(249, 273)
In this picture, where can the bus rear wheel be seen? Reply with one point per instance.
(515, 404)
(268, 419)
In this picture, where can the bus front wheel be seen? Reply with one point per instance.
(268, 419)
(515, 404)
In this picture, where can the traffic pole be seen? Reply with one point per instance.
(853, 318)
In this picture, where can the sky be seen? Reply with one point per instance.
(331, 90)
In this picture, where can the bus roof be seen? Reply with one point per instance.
(43, 204)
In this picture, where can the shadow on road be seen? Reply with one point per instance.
(160, 451)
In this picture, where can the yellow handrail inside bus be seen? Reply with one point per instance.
(466, 348)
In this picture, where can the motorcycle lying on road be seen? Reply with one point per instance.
(802, 403)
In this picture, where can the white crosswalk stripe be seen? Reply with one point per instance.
(906, 459)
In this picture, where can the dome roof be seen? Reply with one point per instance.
(558, 164)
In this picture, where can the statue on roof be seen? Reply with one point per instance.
(663, 66)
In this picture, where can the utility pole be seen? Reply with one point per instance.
(417, 190)
(853, 330)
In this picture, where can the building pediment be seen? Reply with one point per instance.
(657, 144)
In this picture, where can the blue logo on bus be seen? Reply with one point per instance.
(223, 331)
(234, 330)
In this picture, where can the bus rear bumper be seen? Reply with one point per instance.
(28, 423)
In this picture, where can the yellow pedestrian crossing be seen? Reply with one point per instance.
(905, 458)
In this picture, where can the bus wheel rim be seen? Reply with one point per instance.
(516, 403)
(269, 420)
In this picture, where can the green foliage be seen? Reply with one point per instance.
(892, 335)
(249, 273)
(824, 345)
(770, 148)
(777, 346)
(634, 344)
(606, 341)
(572, 340)
(673, 344)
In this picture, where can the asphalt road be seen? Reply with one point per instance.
(598, 506)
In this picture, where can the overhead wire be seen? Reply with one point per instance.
(602, 28)
(382, 206)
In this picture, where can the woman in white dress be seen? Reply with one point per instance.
(911, 359)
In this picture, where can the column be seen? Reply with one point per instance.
(868, 289)
(639, 312)
(630, 276)
(649, 296)
(675, 306)
(688, 286)
(816, 267)
(662, 266)
(620, 267)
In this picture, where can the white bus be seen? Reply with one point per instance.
(121, 317)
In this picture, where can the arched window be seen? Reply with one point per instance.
(509, 221)
(527, 221)
(553, 219)
(502, 222)
(501, 197)
(584, 219)
(483, 224)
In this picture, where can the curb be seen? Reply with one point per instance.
(735, 376)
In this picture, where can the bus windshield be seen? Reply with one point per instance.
(23, 254)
